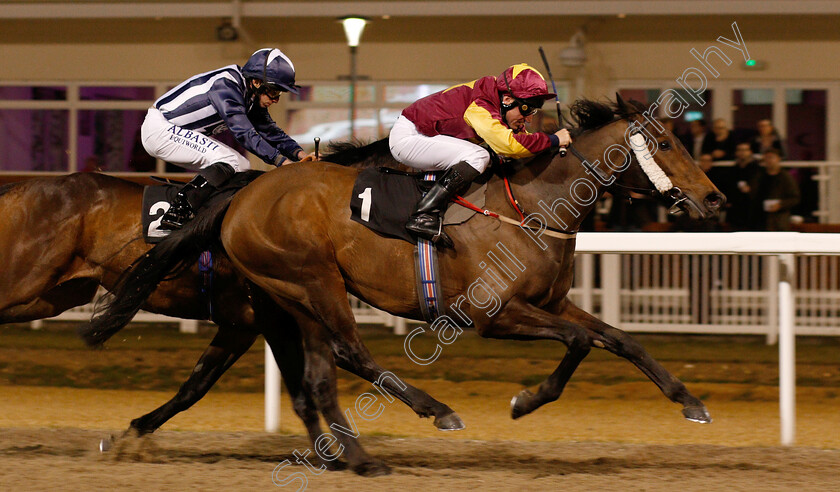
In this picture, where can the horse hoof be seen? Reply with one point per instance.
(451, 422)
(373, 468)
(518, 402)
(105, 445)
(697, 414)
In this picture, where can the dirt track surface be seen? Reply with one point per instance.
(67, 459)
(618, 437)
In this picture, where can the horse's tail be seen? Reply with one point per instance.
(8, 187)
(169, 257)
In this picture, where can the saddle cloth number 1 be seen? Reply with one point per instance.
(367, 201)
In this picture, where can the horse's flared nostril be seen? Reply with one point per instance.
(714, 201)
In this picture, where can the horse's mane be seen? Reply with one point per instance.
(586, 115)
(355, 153)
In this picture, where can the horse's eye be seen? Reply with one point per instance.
(665, 145)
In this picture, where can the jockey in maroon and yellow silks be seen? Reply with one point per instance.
(441, 132)
(472, 111)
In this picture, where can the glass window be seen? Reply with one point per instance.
(806, 141)
(750, 106)
(33, 93)
(117, 93)
(410, 93)
(681, 124)
(109, 140)
(330, 125)
(806, 123)
(34, 139)
(387, 118)
(334, 93)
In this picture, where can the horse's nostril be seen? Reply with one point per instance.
(714, 200)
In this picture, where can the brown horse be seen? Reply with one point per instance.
(290, 233)
(63, 237)
(305, 252)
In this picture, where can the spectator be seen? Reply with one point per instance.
(741, 188)
(767, 138)
(705, 162)
(722, 143)
(717, 175)
(683, 222)
(698, 139)
(777, 192)
(631, 214)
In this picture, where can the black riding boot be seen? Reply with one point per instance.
(426, 222)
(181, 209)
(193, 195)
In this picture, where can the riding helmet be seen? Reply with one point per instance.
(272, 67)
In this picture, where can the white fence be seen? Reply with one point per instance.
(664, 293)
(776, 284)
(646, 303)
(706, 293)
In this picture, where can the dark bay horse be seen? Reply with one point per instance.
(63, 237)
(290, 233)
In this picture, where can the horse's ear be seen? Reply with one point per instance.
(620, 102)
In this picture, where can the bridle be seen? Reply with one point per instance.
(672, 192)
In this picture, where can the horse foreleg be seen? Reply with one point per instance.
(520, 320)
(620, 343)
(225, 349)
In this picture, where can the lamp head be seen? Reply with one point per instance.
(353, 27)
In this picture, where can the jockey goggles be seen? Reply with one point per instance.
(527, 107)
(272, 91)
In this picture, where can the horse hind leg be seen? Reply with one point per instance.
(287, 348)
(50, 302)
(319, 376)
(622, 344)
(227, 346)
(353, 356)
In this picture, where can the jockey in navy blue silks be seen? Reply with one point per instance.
(179, 128)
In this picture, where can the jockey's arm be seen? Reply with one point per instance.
(502, 139)
(230, 104)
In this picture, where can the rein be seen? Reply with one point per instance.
(642, 191)
(549, 231)
(655, 174)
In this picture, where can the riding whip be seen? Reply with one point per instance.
(556, 97)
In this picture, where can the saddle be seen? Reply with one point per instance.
(383, 199)
(158, 198)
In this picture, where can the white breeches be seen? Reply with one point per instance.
(186, 148)
(440, 152)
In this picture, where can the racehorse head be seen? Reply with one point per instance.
(668, 166)
(619, 148)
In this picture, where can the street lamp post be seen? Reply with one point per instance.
(353, 27)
